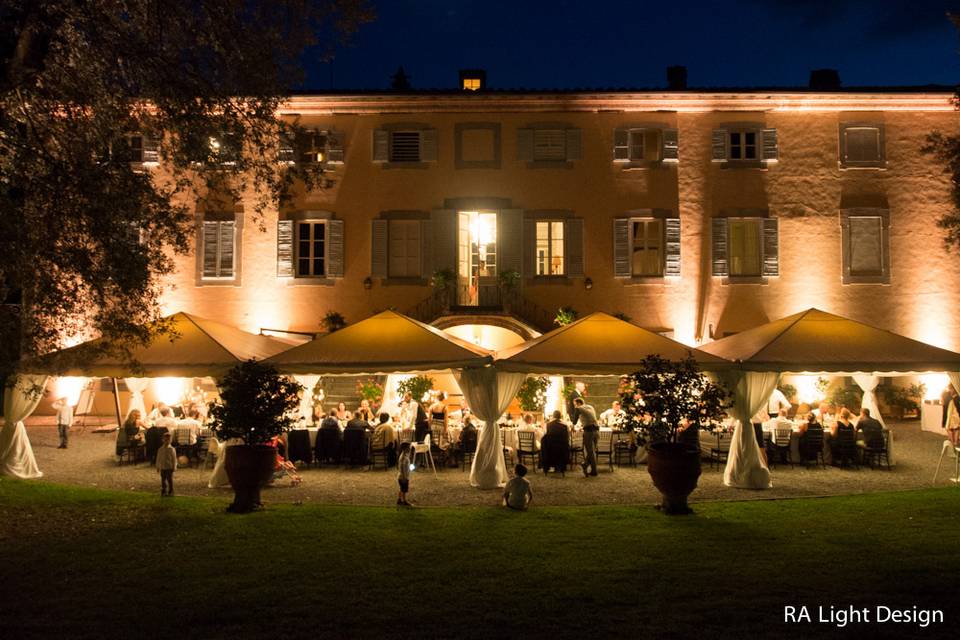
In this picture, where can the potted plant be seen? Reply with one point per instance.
(256, 404)
(416, 386)
(846, 397)
(372, 391)
(533, 394)
(660, 399)
(903, 401)
(565, 315)
(333, 321)
(509, 280)
(442, 281)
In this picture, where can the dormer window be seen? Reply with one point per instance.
(473, 79)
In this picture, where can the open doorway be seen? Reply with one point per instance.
(477, 259)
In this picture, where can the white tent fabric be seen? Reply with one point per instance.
(489, 393)
(19, 401)
(746, 468)
(137, 386)
(950, 409)
(869, 384)
(306, 400)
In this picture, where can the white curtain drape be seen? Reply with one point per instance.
(19, 401)
(488, 394)
(955, 381)
(868, 382)
(306, 400)
(136, 387)
(746, 468)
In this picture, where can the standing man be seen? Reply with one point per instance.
(64, 419)
(586, 415)
(776, 402)
(578, 390)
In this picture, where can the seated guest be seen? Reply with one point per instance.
(517, 494)
(357, 422)
(528, 423)
(466, 418)
(386, 436)
(327, 447)
(811, 434)
(166, 419)
(871, 427)
(331, 421)
(822, 414)
(186, 433)
(844, 444)
(131, 432)
(613, 416)
(364, 412)
(555, 445)
(341, 411)
(354, 446)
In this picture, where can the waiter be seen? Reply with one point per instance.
(776, 402)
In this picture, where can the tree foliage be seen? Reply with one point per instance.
(947, 149)
(86, 235)
(256, 403)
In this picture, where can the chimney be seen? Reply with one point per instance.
(677, 78)
(824, 80)
(473, 79)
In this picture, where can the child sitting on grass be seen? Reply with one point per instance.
(517, 494)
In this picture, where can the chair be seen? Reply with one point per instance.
(527, 448)
(576, 447)
(811, 447)
(622, 448)
(875, 450)
(605, 447)
(298, 446)
(507, 451)
(354, 449)
(421, 451)
(468, 448)
(378, 451)
(845, 448)
(436, 441)
(134, 453)
(406, 435)
(953, 451)
(210, 455)
(719, 453)
(555, 452)
(781, 445)
(327, 446)
(181, 442)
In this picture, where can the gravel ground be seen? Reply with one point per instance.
(89, 461)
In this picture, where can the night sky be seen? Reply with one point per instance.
(617, 43)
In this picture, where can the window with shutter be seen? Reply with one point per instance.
(672, 250)
(743, 249)
(151, 149)
(861, 146)
(335, 255)
(646, 240)
(771, 152)
(335, 147)
(378, 248)
(741, 145)
(746, 248)
(573, 247)
(285, 248)
(866, 246)
(218, 250)
(311, 249)
(549, 145)
(381, 145)
(621, 248)
(718, 242)
(404, 258)
(404, 146)
(548, 248)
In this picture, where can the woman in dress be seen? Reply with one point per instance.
(843, 432)
(365, 413)
(341, 411)
(438, 414)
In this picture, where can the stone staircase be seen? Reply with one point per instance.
(343, 389)
(601, 391)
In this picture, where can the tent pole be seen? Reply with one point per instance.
(116, 402)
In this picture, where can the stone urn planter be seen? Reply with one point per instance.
(675, 469)
(249, 468)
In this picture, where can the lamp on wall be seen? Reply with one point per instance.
(367, 283)
(588, 283)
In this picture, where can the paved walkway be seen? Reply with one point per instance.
(89, 461)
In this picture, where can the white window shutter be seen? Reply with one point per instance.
(718, 257)
(525, 145)
(670, 151)
(671, 266)
(378, 249)
(621, 145)
(573, 144)
(381, 145)
(621, 248)
(210, 240)
(285, 248)
(227, 235)
(529, 248)
(573, 247)
(334, 240)
(718, 144)
(335, 152)
(428, 145)
(771, 247)
(151, 149)
(770, 149)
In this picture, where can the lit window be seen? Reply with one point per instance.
(311, 249)
(744, 247)
(471, 84)
(549, 248)
(313, 147)
(647, 243)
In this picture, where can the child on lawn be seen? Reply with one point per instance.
(403, 473)
(166, 465)
(517, 494)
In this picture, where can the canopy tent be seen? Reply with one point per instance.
(598, 344)
(388, 342)
(197, 347)
(813, 342)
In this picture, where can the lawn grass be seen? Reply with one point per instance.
(78, 562)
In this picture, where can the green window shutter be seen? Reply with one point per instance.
(573, 144)
(510, 240)
(426, 249)
(621, 145)
(444, 226)
(621, 248)
(671, 266)
(573, 247)
(718, 244)
(671, 147)
(718, 144)
(381, 145)
(209, 249)
(525, 145)
(227, 235)
(285, 248)
(771, 246)
(529, 248)
(770, 150)
(335, 153)
(151, 149)
(378, 249)
(428, 145)
(334, 262)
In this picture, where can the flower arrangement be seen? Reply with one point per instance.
(417, 387)
(371, 391)
(533, 393)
